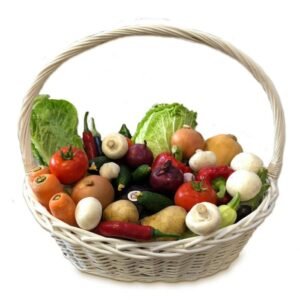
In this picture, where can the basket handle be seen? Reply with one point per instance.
(275, 164)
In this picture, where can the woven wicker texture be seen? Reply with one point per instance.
(186, 259)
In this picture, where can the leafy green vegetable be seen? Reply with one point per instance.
(53, 124)
(255, 202)
(159, 124)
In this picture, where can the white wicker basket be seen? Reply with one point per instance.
(186, 259)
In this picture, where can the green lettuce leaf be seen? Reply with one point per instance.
(53, 124)
(159, 124)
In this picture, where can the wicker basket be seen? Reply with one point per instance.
(187, 259)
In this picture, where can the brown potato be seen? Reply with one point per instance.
(121, 210)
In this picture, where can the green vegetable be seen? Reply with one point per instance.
(153, 202)
(124, 178)
(96, 163)
(219, 185)
(255, 202)
(188, 234)
(159, 124)
(228, 211)
(125, 131)
(53, 125)
(141, 173)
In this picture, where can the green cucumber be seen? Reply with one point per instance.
(153, 202)
(96, 163)
(141, 173)
(124, 178)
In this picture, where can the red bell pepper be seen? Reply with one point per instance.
(209, 173)
(216, 177)
(164, 157)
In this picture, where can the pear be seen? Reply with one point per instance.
(169, 220)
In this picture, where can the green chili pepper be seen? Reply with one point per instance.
(228, 211)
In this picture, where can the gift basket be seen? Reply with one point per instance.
(135, 248)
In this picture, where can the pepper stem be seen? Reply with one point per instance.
(94, 130)
(235, 201)
(219, 184)
(157, 233)
(85, 123)
(125, 131)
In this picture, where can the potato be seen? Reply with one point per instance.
(169, 220)
(121, 210)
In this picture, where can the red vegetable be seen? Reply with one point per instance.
(163, 157)
(216, 177)
(129, 231)
(97, 139)
(209, 173)
(166, 178)
(88, 140)
(69, 164)
(193, 192)
(138, 154)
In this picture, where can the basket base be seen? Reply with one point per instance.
(189, 268)
(186, 267)
(184, 278)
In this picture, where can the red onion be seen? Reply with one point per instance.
(139, 154)
(166, 178)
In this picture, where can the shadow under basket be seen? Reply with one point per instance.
(171, 261)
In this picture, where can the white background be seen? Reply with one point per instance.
(125, 78)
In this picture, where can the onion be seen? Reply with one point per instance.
(94, 186)
(166, 178)
(188, 140)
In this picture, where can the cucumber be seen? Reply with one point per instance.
(96, 163)
(124, 178)
(141, 173)
(153, 201)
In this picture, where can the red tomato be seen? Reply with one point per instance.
(69, 164)
(193, 192)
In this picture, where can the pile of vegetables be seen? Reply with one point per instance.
(165, 182)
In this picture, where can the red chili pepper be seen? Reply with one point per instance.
(129, 231)
(165, 156)
(88, 140)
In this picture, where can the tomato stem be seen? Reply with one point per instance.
(198, 186)
(67, 155)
